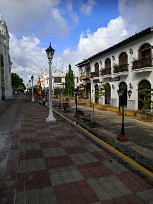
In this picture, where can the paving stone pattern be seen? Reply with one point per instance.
(57, 164)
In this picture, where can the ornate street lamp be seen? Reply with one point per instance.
(90, 92)
(50, 52)
(32, 77)
(122, 136)
(76, 102)
(90, 98)
(60, 94)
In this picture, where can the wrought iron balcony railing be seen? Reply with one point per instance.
(142, 63)
(121, 68)
(106, 71)
(94, 74)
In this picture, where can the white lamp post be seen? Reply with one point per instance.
(50, 52)
(32, 77)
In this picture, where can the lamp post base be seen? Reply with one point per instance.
(50, 118)
(33, 100)
(122, 138)
(76, 116)
(59, 106)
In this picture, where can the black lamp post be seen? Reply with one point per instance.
(122, 136)
(119, 107)
(90, 97)
(76, 102)
(50, 52)
(32, 77)
(60, 94)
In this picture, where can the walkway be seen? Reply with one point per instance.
(140, 134)
(49, 163)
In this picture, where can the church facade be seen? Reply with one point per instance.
(5, 63)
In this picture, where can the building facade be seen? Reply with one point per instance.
(5, 63)
(58, 81)
(127, 65)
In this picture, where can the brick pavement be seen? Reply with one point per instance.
(55, 163)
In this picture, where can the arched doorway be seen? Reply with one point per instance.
(144, 84)
(107, 93)
(96, 94)
(123, 86)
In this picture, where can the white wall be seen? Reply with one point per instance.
(130, 77)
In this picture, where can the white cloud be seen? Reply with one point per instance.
(137, 14)
(27, 57)
(73, 15)
(91, 43)
(22, 17)
(26, 53)
(87, 7)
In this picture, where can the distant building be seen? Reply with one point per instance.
(5, 62)
(127, 65)
(58, 80)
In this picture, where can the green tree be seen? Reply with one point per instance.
(102, 90)
(69, 82)
(145, 97)
(17, 83)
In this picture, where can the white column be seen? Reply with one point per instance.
(50, 117)
(0, 81)
(32, 91)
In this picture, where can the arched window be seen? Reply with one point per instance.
(108, 63)
(123, 62)
(145, 51)
(97, 68)
(123, 58)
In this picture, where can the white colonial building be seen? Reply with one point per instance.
(58, 80)
(5, 62)
(127, 65)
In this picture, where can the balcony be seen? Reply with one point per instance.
(94, 74)
(142, 65)
(121, 69)
(106, 72)
(85, 76)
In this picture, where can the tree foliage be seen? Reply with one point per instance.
(17, 83)
(102, 90)
(145, 97)
(69, 82)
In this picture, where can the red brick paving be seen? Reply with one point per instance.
(138, 180)
(133, 199)
(73, 192)
(52, 144)
(85, 172)
(44, 134)
(87, 192)
(29, 140)
(34, 154)
(75, 149)
(56, 162)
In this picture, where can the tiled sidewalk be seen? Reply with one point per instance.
(57, 164)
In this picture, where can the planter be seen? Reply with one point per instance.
(145, 119)
(93, 125)
(65, 106)
(119, 113)
(122, 138)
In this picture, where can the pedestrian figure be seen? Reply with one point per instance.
(67, 99)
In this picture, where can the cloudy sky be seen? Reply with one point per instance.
(77, 29)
